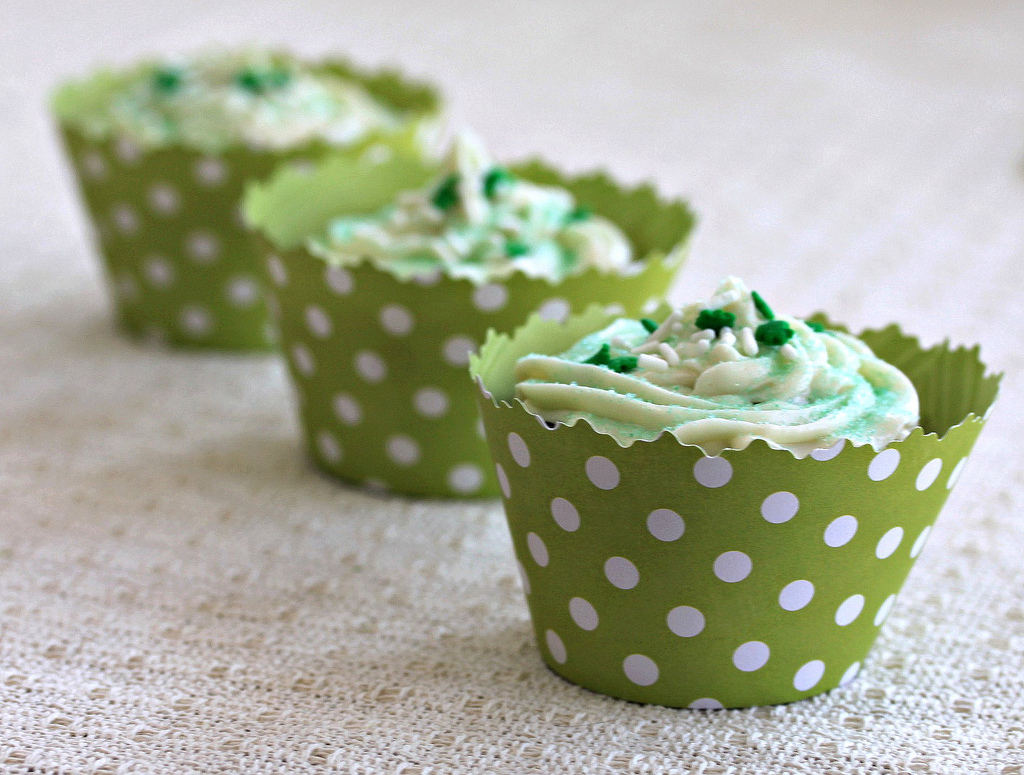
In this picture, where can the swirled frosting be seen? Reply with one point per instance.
(217, 99)
(720, 373)
(478, 221)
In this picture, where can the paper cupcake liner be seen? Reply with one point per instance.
(379, 364)
(182, 268)
(656, 574)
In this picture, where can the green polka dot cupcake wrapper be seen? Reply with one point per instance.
(182, 267)
(656, 574)
(380, 364)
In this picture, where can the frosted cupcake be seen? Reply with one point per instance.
(716, 506)
(389, 274)
(163, 150)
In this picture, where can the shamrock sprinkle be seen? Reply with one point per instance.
(167, 80)
(579, 214)
(259, 81)
(774, 333)
(715, 319)
(514, 248)
(623, 364)
(762, 306)
(816, 326)
(649, 325)
(493, 180)
(446, 196)
(601, 357)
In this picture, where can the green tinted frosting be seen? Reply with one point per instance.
(793, 386)
(477, 221)
(217, 99)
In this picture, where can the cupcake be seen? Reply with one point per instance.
(716, 505)
(388, 273)
(163, 150)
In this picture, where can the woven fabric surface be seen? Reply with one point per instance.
(180, 591)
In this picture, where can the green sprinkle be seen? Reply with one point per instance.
(602, 357)
(493, 180)
(167, 80)
(815, 326)
(623, 364)
(648, 324)
(260, 81)
(715, 319)
(762, 306)
(447, 194)
(579, 214)
(774, 333)
(514, 248)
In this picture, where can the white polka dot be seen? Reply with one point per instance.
(733, 566)
(640, 670)
(466, 478)
(922, 539)
(210, 172)
(196, 321)
(850, 674)
(602, 473)
(370, 366)
(621, 572)
(503, 482)
(780, 507)
(125, 219)
(840, 531)
(685, 621)
(430, 402)
(490, 297)
(583, 613)
(347, 409)
(706, 703)
(665, 525)
(712, 471)
(126, 287)
(554, 309)
(929, 473)
(751, 656)
(427, 279)
(94, 165)
(889, 543)
(378, 154)
(278, 274)
(883, 465)
(396, 320)
(159, 272)
(318, 322)
(538, 550)
(329, 447)
(457, 350)
(829, 452)
(796, 595)
(243, 291)
(203, 247)
(883, 611)
(808, 676)
(555, 647)
(339, 280)
(520, 452)
(163, 199)
(303, 359)
(403, 450)
(957, 470)
(523, 578)
(565, 515)
(849, 610)
(127, 151)
(615, 309)
(651, 304)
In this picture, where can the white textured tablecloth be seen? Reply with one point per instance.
(181, 592)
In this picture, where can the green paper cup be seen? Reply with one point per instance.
(182, 268)
(656, 574)
(379, 364)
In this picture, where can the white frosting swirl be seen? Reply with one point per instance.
(723, 389)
